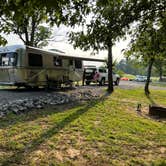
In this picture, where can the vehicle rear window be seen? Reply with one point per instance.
(102, 70)
(90, 70)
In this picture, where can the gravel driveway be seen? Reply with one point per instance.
(19, 94)
(19, 100)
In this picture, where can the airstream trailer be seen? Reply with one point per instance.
(32, 67)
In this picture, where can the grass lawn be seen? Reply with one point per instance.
(103, 132)
(130, 76)
(160, 84)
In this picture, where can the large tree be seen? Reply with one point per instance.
(25, 22)
(24, 17)
(149, 46)
(109, 21)
(160, 65)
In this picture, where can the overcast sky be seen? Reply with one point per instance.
(61, 43)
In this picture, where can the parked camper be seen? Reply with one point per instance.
(32, 67)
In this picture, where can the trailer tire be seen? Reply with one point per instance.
(35, 87)
(87, 82)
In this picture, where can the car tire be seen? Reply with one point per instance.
(117, 82)
(102, 82)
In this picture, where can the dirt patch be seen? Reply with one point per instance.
(73, 153)
(58, 155)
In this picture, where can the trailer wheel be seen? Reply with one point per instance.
(87, 82)
(35, 87)
(28, 87)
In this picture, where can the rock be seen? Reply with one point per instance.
(15, 110)
(26, 104)
(2, 114)
(39, 106)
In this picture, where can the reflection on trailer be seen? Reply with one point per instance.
(32, 67)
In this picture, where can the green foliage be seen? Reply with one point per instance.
(2, 41)
(109, 21)
(146, 45)
(149, 46)
(120, 72)
(132, 66)
(160, 67)
(23, 19)
(42, 33)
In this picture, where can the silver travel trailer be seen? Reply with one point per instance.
(33, 67)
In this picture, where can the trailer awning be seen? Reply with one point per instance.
(54, 53)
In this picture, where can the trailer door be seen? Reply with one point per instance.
(7, 63)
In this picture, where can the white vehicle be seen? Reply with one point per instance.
(98, 74)
(140, 78)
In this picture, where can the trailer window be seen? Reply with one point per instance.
(35, 60)
(8, 59)
(78, 64)
(57, 61)
(71, 62)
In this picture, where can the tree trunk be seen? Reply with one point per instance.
(160, 73)
(33, 25)
(147, 92)
(110, 78)
(26, 35)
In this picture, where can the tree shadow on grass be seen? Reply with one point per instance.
(31, 146)
(27, 116)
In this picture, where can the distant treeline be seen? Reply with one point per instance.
(135, 67)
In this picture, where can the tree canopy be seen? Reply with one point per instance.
(24, 18)
(150, 45)
(109, 22)
(25, 22)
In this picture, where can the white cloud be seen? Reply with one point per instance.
(12, 39)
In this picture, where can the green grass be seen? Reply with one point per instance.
(159, 84)
(130, 76)
(155, 79)
(103, 132)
